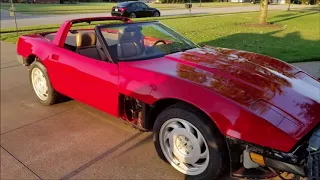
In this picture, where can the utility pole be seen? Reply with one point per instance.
(12, 13)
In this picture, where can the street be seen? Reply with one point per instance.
(32, 20)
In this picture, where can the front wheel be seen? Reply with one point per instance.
(156, 14)
(185, 138)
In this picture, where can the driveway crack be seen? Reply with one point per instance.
(21, 162)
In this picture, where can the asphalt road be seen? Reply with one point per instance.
(32, 20)
(71, 140)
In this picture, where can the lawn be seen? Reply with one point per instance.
(99, 7)
(293, 36)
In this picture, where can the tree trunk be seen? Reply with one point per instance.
(289, 5)
(263, 11)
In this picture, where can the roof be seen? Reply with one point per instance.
(90, 19)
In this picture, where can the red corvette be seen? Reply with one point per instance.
(211, 109)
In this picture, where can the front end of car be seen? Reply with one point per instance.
(297, 118)
(256, 162)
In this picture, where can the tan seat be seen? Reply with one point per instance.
(86, 43)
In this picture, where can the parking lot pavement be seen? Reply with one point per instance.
(69, 140)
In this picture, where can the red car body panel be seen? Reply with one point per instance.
(225, 84)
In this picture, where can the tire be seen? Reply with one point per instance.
(212, 165)
(51, 96)
(132, 15)
(156, 14)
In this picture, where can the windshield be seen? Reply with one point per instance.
(138, 41)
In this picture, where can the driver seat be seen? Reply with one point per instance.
(131, 42)
(86, 43)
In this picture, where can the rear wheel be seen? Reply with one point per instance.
(132, 15)
(184, 138)
(41, 84)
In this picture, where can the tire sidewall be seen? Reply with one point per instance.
(51, 93)
(212, 138)
(157, 12)
(135, 15)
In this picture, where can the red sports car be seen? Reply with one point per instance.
(211, 109)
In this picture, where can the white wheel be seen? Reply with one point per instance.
(39, 84)
(186, 139)
(184, 146)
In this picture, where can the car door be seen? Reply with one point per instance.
(93, 82)
(138, 9)
(146, 11)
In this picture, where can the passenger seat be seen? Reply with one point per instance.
(86, 46)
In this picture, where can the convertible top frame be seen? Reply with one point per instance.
(62, 33)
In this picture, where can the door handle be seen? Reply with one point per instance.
(55, 57)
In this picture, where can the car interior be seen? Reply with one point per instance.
(123, 43)
(86, 45)
(131, 43)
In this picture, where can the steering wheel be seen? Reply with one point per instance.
(159, 41)
(73, 31)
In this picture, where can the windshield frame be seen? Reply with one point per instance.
(171, 31)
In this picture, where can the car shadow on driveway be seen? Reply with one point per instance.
(115, 148)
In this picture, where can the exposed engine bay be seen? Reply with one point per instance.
(252, 161)
(131, 110)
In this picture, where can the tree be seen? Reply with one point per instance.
(289, 5)
(263, 11)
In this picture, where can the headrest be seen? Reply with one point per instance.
(131, 33)
(86, 39)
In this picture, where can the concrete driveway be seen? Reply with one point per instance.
(69, 140)
(32, 20)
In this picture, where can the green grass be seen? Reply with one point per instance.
(99, 7)
(292, 36)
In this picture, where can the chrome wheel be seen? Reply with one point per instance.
(39, 83)
(184, 146)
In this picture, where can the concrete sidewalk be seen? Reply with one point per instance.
(29, 20)
(313, 68)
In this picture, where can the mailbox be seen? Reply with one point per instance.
(188, 5)
(11, 11)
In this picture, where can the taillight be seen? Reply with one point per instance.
(122, 9)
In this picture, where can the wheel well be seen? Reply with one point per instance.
(162, 104)
(30, 59)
